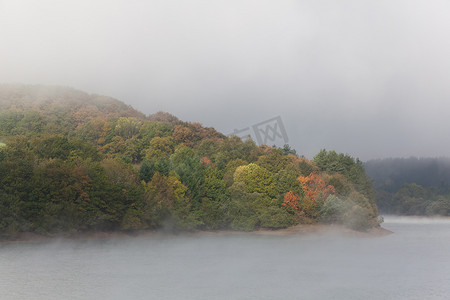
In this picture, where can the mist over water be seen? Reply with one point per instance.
(412, 263)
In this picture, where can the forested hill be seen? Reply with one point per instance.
(411, 186)
(56, 110)
(72, 162)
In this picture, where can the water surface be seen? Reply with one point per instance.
(412, 263)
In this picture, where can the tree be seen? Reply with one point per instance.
(286, 180)
(9, 122)
(59, 194)
(52, 147)
(231, 168)
(95, 130)
(274, 217)
(147, 170)
(291, 201)
(241, 211)
(315, 192)
(214, 195)
(208, 148)
(31, 124)
(16, 172)
(182, 134)
(190, 169)
(166, 203)
(89, 162)
(127, 127)
(274, 161)
(256, 179)
(288, 150)
(150, 130)
(160, 147)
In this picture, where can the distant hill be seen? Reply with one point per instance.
(50, 99)
(70, 108)
(71, 161)
(391, 173)
(413, 186)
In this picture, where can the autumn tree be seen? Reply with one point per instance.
(291, 201)
(70, 162)
(352, 169)
(182, 134)
(315, 192)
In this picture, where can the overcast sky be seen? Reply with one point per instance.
(367, 78)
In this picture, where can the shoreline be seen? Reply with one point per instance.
(300, 230)
(310, 229)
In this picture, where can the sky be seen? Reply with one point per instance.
(367, 78)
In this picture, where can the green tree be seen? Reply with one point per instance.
(240, 210)
(166, 204)
(286, 180)
(52, 147)
(256, 179)
(160, 147)
(274, 161)
(127, 127)
(214, 197)
(31, 124)
(190, 170)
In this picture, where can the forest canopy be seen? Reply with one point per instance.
(412, 186)
(72, 162)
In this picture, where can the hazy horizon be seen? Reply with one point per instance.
(365, 78)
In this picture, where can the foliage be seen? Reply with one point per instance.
(274, 217)
(412, 186)
(345, 211)
(288, 150)
(127, 127)
(291, 200)
(315, 192)
(73, 162)
(241, 208)
(274, 161)
(413, 199)
(256, 179)
(352, 169)
(160, 147)
(286, 179)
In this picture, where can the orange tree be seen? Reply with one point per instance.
(315, 191)
(291, 201)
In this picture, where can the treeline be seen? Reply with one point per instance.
(411, 186)
(62, 173)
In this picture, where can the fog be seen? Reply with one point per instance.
(418, 220)
(368, 78)
(411, 263)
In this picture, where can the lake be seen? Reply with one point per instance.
(412, 263)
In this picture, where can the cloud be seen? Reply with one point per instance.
(365, 78)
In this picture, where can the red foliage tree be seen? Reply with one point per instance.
(291, 200)
(315, 192)
(207, 162)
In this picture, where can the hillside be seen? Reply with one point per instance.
(75, 162)
(411, 186)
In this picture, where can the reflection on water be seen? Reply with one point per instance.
(412, 263)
